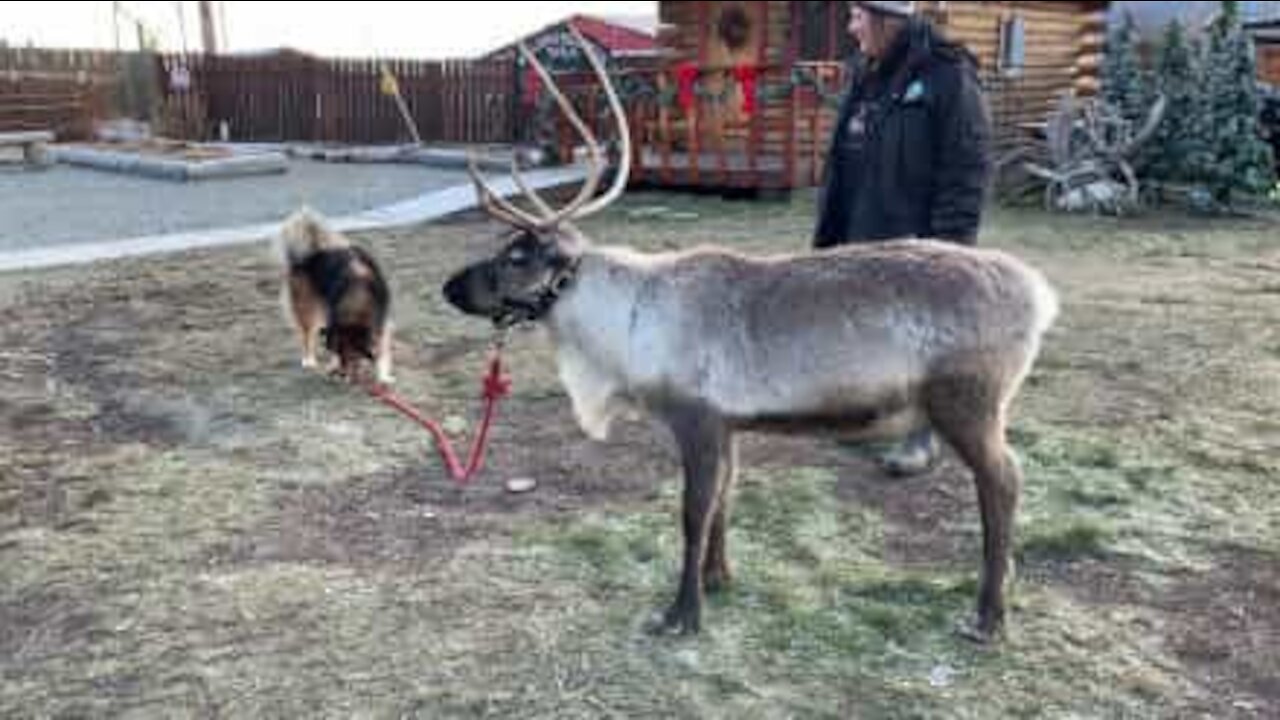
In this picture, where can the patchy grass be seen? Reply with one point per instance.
(1076, 540)
(190, 525)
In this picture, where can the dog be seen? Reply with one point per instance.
(335, 289)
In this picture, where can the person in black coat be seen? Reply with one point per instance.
(910, 154)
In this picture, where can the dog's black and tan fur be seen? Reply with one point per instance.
(335, 289)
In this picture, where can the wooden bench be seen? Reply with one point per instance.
(34, 144)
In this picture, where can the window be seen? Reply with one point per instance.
(1013, 45)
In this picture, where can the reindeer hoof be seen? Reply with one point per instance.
(716, 581)
(917, 455)
(674, 622)
(980, 631)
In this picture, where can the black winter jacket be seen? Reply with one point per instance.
(910, 153)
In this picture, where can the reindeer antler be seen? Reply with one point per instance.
(493, 203)
(624, 133)
(595, 158)
(1155, 116)
(508, 212)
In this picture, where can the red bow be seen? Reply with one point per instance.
(746, 76)
(686, 76)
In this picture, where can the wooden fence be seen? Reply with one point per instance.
(62, 91)
(298, 98)
(274, 97)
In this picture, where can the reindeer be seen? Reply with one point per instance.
(869, 342)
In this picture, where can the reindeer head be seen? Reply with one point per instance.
(540, 254)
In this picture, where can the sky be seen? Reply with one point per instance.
(353, 29)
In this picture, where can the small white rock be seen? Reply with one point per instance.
(455, 425)
(519, 486)
(687, 657)
(942, 676)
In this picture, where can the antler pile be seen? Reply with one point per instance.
(1090, 147)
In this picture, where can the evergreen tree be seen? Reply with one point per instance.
(1242, 161)
(1124, 83)
(1182, 148)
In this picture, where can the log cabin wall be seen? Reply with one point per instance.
(1030, 53)
(1269, 62)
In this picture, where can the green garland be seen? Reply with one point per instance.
(631, 88)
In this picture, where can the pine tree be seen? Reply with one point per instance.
(1242, 161)
(1124, 83)
(1182, 148)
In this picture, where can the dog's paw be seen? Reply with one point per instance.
(310, 363)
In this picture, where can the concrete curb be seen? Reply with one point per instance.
(257, 163)
(409, 212)
(445, 158)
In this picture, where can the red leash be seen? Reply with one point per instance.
(496, 387)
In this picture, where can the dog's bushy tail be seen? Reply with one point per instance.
(304, 234)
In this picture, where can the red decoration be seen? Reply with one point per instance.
(746, 76)
(686, 76)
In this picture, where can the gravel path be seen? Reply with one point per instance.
(66, 205)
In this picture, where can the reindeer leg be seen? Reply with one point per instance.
(999, 480)
(969, 413)
(701, 437)
(715, 569)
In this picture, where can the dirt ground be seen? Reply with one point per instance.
(190, 525)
